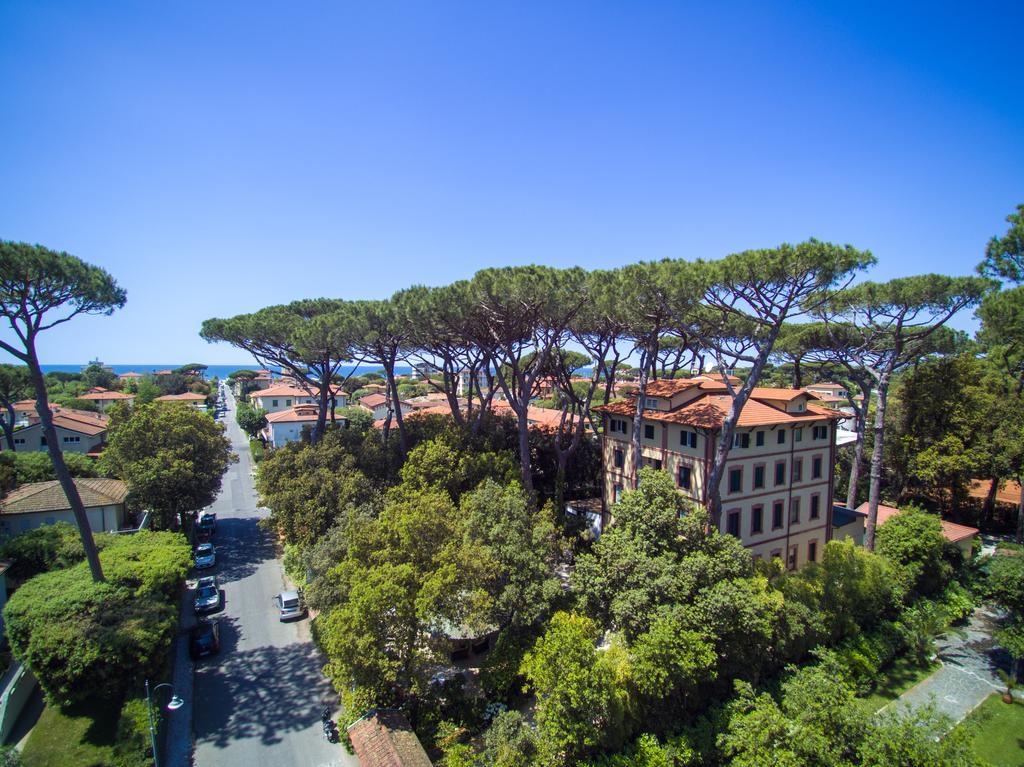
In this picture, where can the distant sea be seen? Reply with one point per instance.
(219, 371)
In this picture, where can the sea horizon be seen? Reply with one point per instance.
(218, 371)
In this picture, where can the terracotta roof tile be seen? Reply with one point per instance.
(373, 400)
(49, 496)
(186, 397)
(951, 531)
(383, 738)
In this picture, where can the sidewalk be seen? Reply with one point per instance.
(969, 659)
(178, 741)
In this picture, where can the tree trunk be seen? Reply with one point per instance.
(989, 507)
(8, 425)
(524, 449)
(60, 468)
(1020, 517)
(638, 418)
(321, 415)
(858, 455)
(798, 380)
(875, 493)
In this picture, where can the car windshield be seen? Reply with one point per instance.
(205, 549)
(290, 602)
(206, 592)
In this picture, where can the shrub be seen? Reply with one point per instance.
(46, 548)
(133, 746)
(957, 603)
(89, 641)
(257, 450)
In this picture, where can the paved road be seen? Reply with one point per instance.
(258, 703)
(967, 676)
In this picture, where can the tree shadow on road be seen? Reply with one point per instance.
(241, 548)
(262, 693)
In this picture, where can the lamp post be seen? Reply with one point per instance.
(172, 705)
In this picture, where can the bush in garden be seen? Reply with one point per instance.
(88, 641)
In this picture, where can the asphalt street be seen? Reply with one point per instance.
(257, 703)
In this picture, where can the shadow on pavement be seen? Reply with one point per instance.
(262, 693)
(241, 548)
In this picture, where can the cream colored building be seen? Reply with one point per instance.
(44, 503)
(777, 486)
(283, 397)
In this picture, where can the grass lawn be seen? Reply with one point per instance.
(903, 674)
(999, 739)
(72, 738)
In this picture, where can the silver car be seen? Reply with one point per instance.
(205, 556)
(290, 605)
(207, 597)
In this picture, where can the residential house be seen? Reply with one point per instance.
(198, 401)
(481, 386)
(384, 738)
(44, 503)
(285, 396)
(284, 426)
(848, 524)
(78, 431)
(130, 376)
(827, 391)
(377, 404)
(777, 487)
(961, 535)
(105, 399)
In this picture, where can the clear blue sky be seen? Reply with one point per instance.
(218, 157)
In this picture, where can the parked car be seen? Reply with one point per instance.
(204, 639)
(205, 556)
(290, 605)
(207, 523)
(207, 598)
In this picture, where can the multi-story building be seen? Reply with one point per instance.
(777, 485)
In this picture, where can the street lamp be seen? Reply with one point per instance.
(172, 705)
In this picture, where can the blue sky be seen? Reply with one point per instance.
(220, 157)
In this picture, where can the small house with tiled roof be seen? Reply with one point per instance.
(78, 431)
(383, 738)
(104, 398)
(286, 426)
(777, 487)
(377, 404)
(284, 396)
(44, 503)
(191, 398)
(962, 536)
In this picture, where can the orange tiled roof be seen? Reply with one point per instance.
(383, 738)
(49, 496)
(1009, 493)
(297, 414)
(373, 400)
(281, 390)
(104, 395)
(186, 397)
(951, 531)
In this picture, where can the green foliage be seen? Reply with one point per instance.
(359, 420)
(580, 708)
(87, 640)
(1004, 256)
(1006, 582)
(251, 420)
(256, 450)
(132, 747)
(510, 741)
(913, 542)
(173, 459)
(37, 466)
(49, 547)
(307, 487)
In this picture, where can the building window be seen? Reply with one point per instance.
(617, 493)
(619, 458)
(815, 506)
(42, 442)
(72, 440)
(19, 440)
(791, 563)
(798, 469)
(798, 435)
(648, 431)
(820, 432)
(812, 551)
(777, 554)
(776, 515)
(759, 477)
(654, 463)
(816, 467)
(732, 524)
(794, 511)
(782, 437)
(651, 402)
(757, 520)
(760, 439)
(780, 472)
(684, 477)
(688, 439)
(617, 425)
(741, 440)
(735, 480)
(273, 403)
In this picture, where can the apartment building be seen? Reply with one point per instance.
(778, 482)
